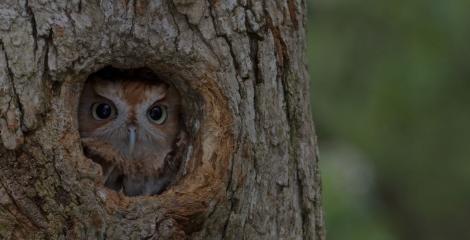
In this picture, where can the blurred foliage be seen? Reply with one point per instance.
(390, 85)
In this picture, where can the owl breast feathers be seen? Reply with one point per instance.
(139, 121)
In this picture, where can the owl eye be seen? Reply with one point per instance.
(157, 114)
(102, 111)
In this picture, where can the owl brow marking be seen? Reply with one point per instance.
(102, 95)
(158, 101)
(135, 93)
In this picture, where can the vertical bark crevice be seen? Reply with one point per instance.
(10, 77)
(32, 20)
(11, 115)
(293, 13)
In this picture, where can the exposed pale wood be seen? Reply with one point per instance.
(251, 170)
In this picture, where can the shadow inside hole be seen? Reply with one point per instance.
(131, 122)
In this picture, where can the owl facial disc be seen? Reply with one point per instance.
(131, 123)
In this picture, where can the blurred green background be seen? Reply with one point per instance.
(391, 101)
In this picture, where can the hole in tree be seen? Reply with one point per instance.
(131, 123)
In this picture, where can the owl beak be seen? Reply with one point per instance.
(132, 137)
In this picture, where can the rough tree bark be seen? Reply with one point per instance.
(251, 170)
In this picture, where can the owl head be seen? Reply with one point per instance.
(139, 118)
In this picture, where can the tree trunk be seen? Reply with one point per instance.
(251, 169)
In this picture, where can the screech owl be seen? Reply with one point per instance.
(140, 120)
